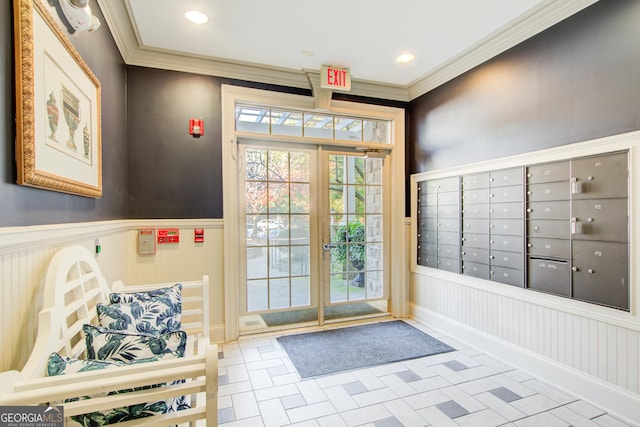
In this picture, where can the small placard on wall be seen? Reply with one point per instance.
(168, 235)
(147, 241)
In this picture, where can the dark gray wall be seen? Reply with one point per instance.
(577, 81)
(20, 205)
(171, 173)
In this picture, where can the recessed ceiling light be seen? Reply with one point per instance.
(406, 57)
(196, 17)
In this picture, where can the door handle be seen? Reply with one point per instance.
(328, 246)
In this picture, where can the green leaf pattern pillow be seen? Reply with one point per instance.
(151, 317)
(169, 295)
(125, 346)
(58, 365)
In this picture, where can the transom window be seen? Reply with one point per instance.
(311, 125)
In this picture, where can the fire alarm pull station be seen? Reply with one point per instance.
(147, 241)
(198, 235)
(168, 235)
(196, 127)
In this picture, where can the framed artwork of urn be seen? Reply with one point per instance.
(58, 133)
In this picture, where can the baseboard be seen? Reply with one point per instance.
(216, 334)
(615, 400)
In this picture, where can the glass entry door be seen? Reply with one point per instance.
(279, 281)
(354, 258)
(313, 238)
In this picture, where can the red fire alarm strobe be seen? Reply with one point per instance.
(196, 127)
(198, 235)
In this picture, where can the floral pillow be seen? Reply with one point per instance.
(126, 346)
(171, 295)
(151, 317)
(58, 365)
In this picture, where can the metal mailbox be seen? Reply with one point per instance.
(475, 225)
(430, 211)
(506, 243)
(506, 210)
(448, 224)
(448, 251)
(548, 191)
(428, 261)
(549, 210)
(478, 255)
(511, 193)
(428, 199)
(510, 227)
(550, 172)
(548, 275)
(448, 238)
(476, 180)
(448, 211)
(506, 177)
(475, 240)
(449, 198)
(475, 196)
(601, 273)
(449, 264)
(448, 184)
(473, 269)
(553, 248)
(508, 276)
(560, 227)
(600, 177)
(476, 211)
(600, 219)
(551, 228)
(507, 259)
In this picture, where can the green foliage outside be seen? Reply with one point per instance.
(349, 239)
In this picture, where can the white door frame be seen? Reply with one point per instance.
(233, 95)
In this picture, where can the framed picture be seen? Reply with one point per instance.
(58, 133)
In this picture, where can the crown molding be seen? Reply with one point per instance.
(537, 20)
(118, 18)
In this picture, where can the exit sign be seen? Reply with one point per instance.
(335, 78)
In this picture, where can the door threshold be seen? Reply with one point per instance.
(314, 326)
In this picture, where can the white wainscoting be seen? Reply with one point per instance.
(25, 253)
(589, 350)
(593, 359)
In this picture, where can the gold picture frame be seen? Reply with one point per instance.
(58, 129)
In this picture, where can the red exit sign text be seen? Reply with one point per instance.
(335, 78)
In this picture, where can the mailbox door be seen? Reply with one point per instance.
(553, 248)
(601, 273)
(475, 181)
(506, 243)
(508, 276)
(550, 172)
(481, 271)
(480, 210)
(475, 196)
(506, 210)
(475, 240)
(549, 210)
(552, 276)
(600, 176)
(506, 177)
(548, 191)
(549, 228)
(601, 219)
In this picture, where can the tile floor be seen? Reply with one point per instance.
(259, 386)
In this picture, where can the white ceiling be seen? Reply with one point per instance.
(287, 41)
